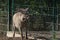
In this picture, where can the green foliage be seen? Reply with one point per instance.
(37, 8)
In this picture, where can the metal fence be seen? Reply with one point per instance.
(43, 18)
(3, 16)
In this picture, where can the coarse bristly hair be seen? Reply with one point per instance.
(20, 17)
(19, 21)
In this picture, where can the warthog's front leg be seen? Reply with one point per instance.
(20, 31)
(26, 33)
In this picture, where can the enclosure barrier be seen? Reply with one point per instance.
(43, 17)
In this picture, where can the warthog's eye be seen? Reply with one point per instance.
(24, 18)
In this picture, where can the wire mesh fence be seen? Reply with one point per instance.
(44, 17)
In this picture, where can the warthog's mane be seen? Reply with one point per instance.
(22, 10)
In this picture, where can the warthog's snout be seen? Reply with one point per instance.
(25, 18)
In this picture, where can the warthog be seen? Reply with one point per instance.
(20, 20)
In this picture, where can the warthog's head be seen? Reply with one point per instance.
(24, 16)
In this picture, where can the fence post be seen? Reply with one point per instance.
(54, 20)
(9, 14)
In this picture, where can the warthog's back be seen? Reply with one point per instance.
(17, 19)
(20, 18)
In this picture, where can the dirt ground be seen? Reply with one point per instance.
(10, 38)
(2, 37)
(35, 34)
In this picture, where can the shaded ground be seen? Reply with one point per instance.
(36, 35)
(5, 38)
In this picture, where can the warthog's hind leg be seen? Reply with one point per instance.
(13, 32)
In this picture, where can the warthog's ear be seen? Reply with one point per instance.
(26, 9)
(17, 9)
(23, 10)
